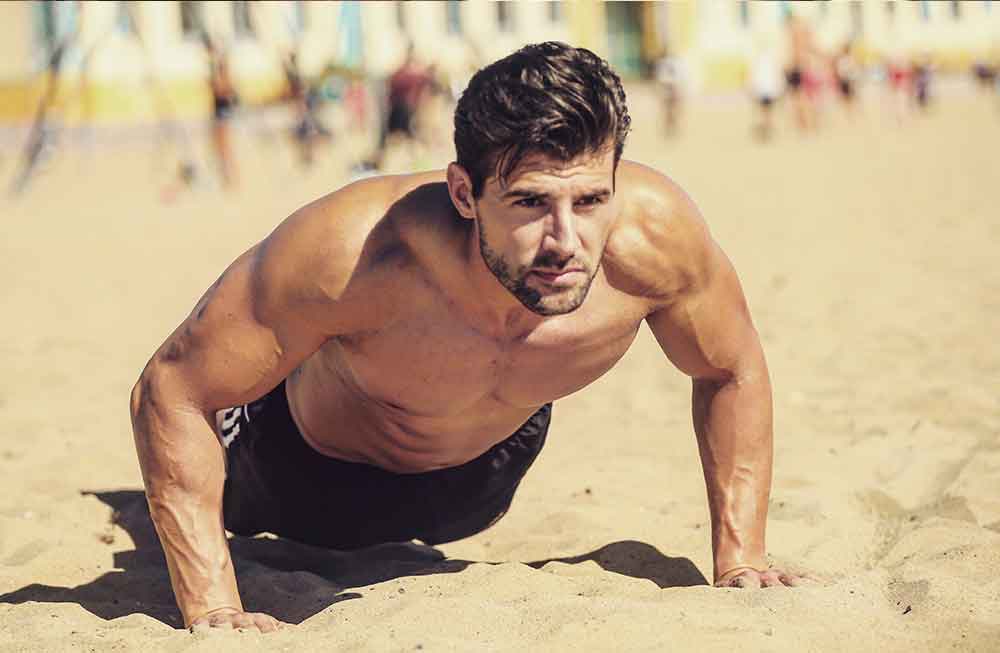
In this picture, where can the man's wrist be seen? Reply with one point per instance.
(737, 570)
(732, 555)
(227, 609)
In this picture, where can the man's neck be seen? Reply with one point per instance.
(494, 309)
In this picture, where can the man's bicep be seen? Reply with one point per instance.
(237, 343)
(707, 331)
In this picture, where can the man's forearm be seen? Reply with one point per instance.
(184, 471)
(733, 421)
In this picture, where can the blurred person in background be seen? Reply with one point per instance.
(922, 74)
(433, 118)
(406, 89)
(984, 72)
(357, 101)
(224, 101)
(817, 80)
(307, 129)
(847, 73)
(671, 75)
(798, 74)
(899, 83)
(766, 87)
(42, 135)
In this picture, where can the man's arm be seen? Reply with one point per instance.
(267, 312)
(705, 329)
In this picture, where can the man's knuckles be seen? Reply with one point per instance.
(751, 579)
(266, 623)
(237, 621)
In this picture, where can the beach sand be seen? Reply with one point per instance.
(869, 258)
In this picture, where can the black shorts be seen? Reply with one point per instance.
(276, 482)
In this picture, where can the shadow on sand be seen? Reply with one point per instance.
(140, 583)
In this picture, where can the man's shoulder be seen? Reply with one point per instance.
(362, 215)
(357, 210)
(344, 235)
(660, 243)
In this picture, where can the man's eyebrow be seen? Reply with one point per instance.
(523, 192)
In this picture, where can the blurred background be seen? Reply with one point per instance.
(210, 88)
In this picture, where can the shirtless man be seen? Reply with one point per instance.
(393, 349)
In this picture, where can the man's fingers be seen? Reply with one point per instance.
(798, 580)
(267, 624)
(737, 579)
(791, 580)
(223, 621)
(752, 579)
(237, 620)
(746, 579)
(243, 620)
(770, 578)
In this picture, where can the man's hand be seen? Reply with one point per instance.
(748, 577)
(233, 619)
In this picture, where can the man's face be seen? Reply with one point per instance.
(542, 234)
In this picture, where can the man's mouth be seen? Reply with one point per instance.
(558, 277)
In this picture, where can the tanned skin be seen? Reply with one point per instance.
(418, 325)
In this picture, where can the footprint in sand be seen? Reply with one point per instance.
(906, 596)
(26, 553)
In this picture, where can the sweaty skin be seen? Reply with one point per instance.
(418, 326)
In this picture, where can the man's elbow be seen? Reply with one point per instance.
(149, 394)
(144, 390)
(135, 399)
(750, 371)
(748, 366)
(754, 375)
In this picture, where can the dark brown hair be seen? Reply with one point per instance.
(547, 97)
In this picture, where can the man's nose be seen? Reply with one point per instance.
(561, 235)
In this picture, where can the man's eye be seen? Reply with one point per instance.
(590, 200)
(528, 202)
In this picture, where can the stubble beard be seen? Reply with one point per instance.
(515, 281)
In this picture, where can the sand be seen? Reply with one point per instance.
(869, 257)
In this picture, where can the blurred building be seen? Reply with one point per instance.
(136, 60)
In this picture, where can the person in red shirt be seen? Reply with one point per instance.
(406, 89)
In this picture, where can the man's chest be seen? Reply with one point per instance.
(433, 363)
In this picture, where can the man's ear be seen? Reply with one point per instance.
(460, 190)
